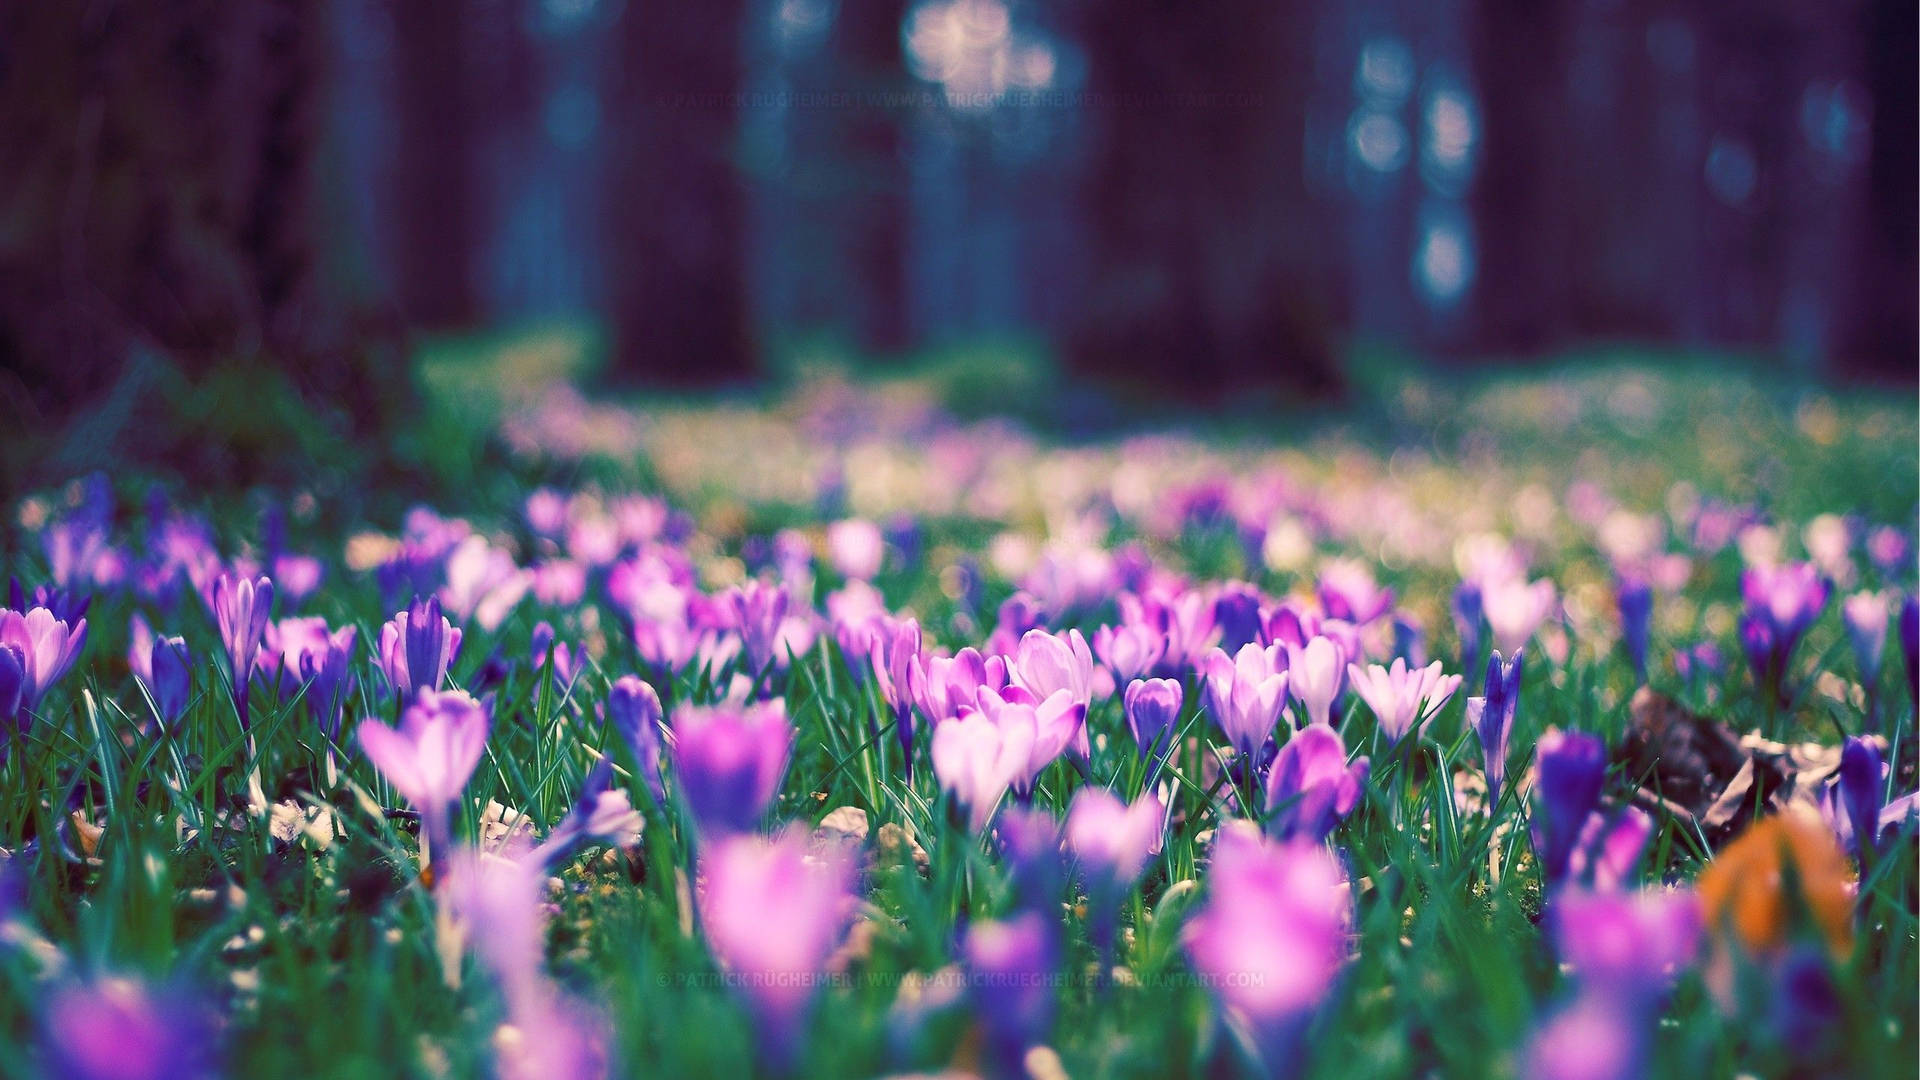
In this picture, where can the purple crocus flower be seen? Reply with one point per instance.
(894, 651)
(242, 607)
(13, 680)
(1271, 937)
(1589, 1038)
(729, 760)
(47, 648)
(943, 685)
(1860, 784)
(421, 640)
(1047, 664)
(432, 754)
(1129, 650)
(1152, 707)
(1491, 716)
(1469, 615)
(1631, 944)
(67, 605)
(1246, 694)
(1610, 847)
(1781, 603)
(1111, 842)
(1635, 598)
(1312, 787)
(1030, 845)
(1402, 700)
(773, 912)
(1866, 615)
(120, 1029)
(1236, 611)
(1572, 770)
(1409, 641)
(165, 671)
(1011, 970)
(633, 710)
(602, 814)
(1348, 592)
(757, 610)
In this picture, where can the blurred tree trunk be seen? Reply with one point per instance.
(1206, 273)
(676, 205)
(435, 185)
(867, 34)
(1885, 327)
(1522, 195)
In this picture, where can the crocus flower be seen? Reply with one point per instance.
(1129, 650)
(1572, 769)
(1348, 591)
(1313, 677)
(1860, 785)
(757, 610)
(1630, 944)
(1866, 616)
(1609, 847)
(1590, 1038)
(1312, 787)
(1246, 694)
(1271, 937)
(1403, 700)
(1781, 602)
(1635, 598)
(242, 608)
(773, 912)
(1469, 613)
(1111, 842)
(943, 685)
(1152, 708)
(1491, 716)
(422, 640)
(13, 680)
(894, 651)
(602, 814)
(483, 583)
(542, 648)
(729, 761)
(165, 672)
(633, 710)
(67, 605)
(1049, 663)
(857, 548)
(1057, 723)
(1011, 973)
(119, 1029)
(1515, 609)
(1030, 845)
(432, 754)
(47, 648)
(1236, 611)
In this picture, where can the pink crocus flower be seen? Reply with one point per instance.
(47, 648)
(1129, 650)
(1313, 677)
(1246, 693)
(1347, 591)
(1049, 664)
(943, 685)
(1058, 723)
(773, 912)
(432, 754)
(1272, 935)
(857, 548)
(1402, 699)
(1515, 610)
(977, 759)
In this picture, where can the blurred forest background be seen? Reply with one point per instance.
(1194, 197)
